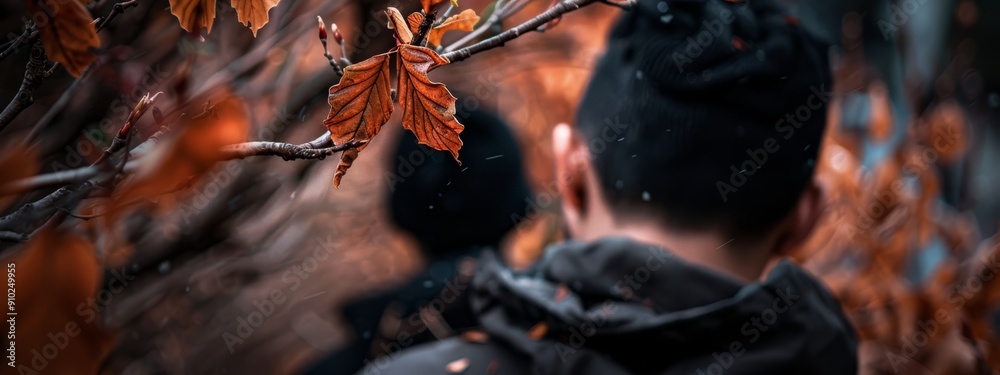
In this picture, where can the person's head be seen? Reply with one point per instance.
(449, 207)
(702, 121)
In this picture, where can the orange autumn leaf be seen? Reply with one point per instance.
(414, 20)
(194, 14)
(253, 13)
(428, 107)
(55, 274)
(359, 105)
(538, 331)
(68, 33)
(464, 21)
(189, 155)
(15, 164)
(428, 4)
(398, 24)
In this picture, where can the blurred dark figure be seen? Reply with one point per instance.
(455, 212)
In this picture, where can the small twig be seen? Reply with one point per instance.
(117, 9)
(27, 35)
(445, 14)
(286, 151)
(326, 50)
(34, 73)
(528, 26)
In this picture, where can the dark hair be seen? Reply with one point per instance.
(708, 114)
(448, 206)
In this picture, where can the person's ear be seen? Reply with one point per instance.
(570, 167)
(803, 219)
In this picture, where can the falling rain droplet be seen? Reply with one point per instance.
(666, 18)
(645, 196)
(431, 207)
(619, 185)
(164, 266)
(662, 7)
(428, 284)
(638, 75)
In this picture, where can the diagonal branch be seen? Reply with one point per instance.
(34, 73)
(533, 24)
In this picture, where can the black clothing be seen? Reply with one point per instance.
(619, 307)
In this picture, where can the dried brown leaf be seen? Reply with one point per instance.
(460, 22)
(56, 273)
(428, 107)
(359, 105)
(398, 24)
(194, 14)
(428, 4)
(414, 20)
(253, 13)
(68, 33)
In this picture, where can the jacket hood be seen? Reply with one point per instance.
(619, 306)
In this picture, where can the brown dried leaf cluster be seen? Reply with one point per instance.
(195, 15)
(362, 102)
(67, 32)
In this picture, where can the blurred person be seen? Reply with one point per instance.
(687, 175)
(454, 212)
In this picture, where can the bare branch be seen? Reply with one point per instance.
(34, 73)
(117, 9)
(528, 26)
(286, 151)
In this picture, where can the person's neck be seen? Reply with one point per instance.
(729, 256)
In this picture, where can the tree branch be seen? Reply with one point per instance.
(533, 24)
(117, 9)
(286, 151)
(34, 73)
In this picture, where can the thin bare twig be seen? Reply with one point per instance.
(27, 35)
(34, 73)
(286, 151)
(528, 26)
(117, 9)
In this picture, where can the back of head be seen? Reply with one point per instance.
(448, 206)
(707, 114)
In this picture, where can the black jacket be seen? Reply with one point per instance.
(618, 307)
